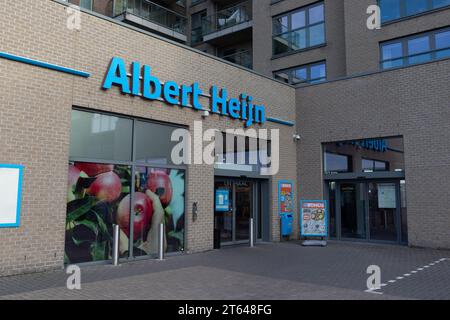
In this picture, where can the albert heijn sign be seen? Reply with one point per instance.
(147, 86)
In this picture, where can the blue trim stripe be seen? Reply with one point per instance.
(279, 121)
(45, 65)
(19, 195)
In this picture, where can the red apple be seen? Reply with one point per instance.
(159, 183)
(107, 187)
(143, 213)
(74, 175)
(94, 169)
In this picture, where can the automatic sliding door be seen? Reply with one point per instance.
(383, 211)
(244, 207)
(352, 210)
(223, 215)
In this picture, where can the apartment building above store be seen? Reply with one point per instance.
(164, 17)
(412, 32)
(223, 28)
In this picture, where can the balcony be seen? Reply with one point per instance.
(235, 21)
(242, 58)
(151, 16)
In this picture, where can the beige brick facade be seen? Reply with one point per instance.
(36, 108)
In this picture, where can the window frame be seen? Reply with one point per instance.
(405, 50)
(308, 67)
(307, 27)
(404, 16)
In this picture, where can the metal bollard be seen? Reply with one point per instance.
(115, 251)
(161, 242)
(251, 234)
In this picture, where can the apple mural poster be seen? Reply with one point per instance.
(10, 194)
(99, 196)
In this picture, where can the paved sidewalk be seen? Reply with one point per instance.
(268, 271)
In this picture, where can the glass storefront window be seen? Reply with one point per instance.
(153, 143)
(101, 137)
(94, 203)
(100, 195)
(337, 163)
(367, 155)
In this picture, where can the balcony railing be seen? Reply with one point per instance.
(243, 58)
(228, 18)
(152, 12)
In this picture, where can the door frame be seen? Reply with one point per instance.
(365, 182)
(256, 203)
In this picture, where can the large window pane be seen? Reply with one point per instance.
(417, 46)
(159, 198)
(415, 6)
(153, 143)
(280, 25)
(317, 35)
(316, 14)
(390, 10)
(393, 53)
(99, 136)
(298, 39)
(298, 20)
(380, 154)
(281, 43)
(300, 75)
(95, 197)
(336, 163)
(318, 73)
(443, 42)
(440, 3)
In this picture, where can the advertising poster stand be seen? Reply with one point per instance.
(314, 222)
(286, 208)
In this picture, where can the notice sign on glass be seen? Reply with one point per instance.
(10, 194)
(286, 197)
(222, 200)
(313, 218)
(386, 196)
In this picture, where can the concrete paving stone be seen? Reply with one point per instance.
(268, 271)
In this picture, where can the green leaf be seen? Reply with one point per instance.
(98, 251)
(89, 224)
(66, 258)
(177, 235)
(126, 189)
(81, 210)
(102, 225)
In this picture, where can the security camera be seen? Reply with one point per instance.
(297, 137)
(205, 114)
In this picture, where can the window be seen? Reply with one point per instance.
(337, 163)
(197, 26)
(369, 165)
(87, 4)
(397, 9)
(299, 30)
(417, 49)
(367, 155)
(103, 171)
(312, 73)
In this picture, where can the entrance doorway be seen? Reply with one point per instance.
(236, 201)
(373, 210)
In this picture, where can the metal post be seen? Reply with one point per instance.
(251, 234)
(115, 251)
(161, 242)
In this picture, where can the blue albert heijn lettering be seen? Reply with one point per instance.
(148, 86)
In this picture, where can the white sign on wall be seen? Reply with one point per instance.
(10, 195)
(386, 196)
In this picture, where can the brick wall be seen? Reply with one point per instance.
(412, 102)
(35, 109)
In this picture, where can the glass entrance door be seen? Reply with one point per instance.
(353, 216)
(368, 210)
(243, 193)
(236, 201)
(383, 211)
